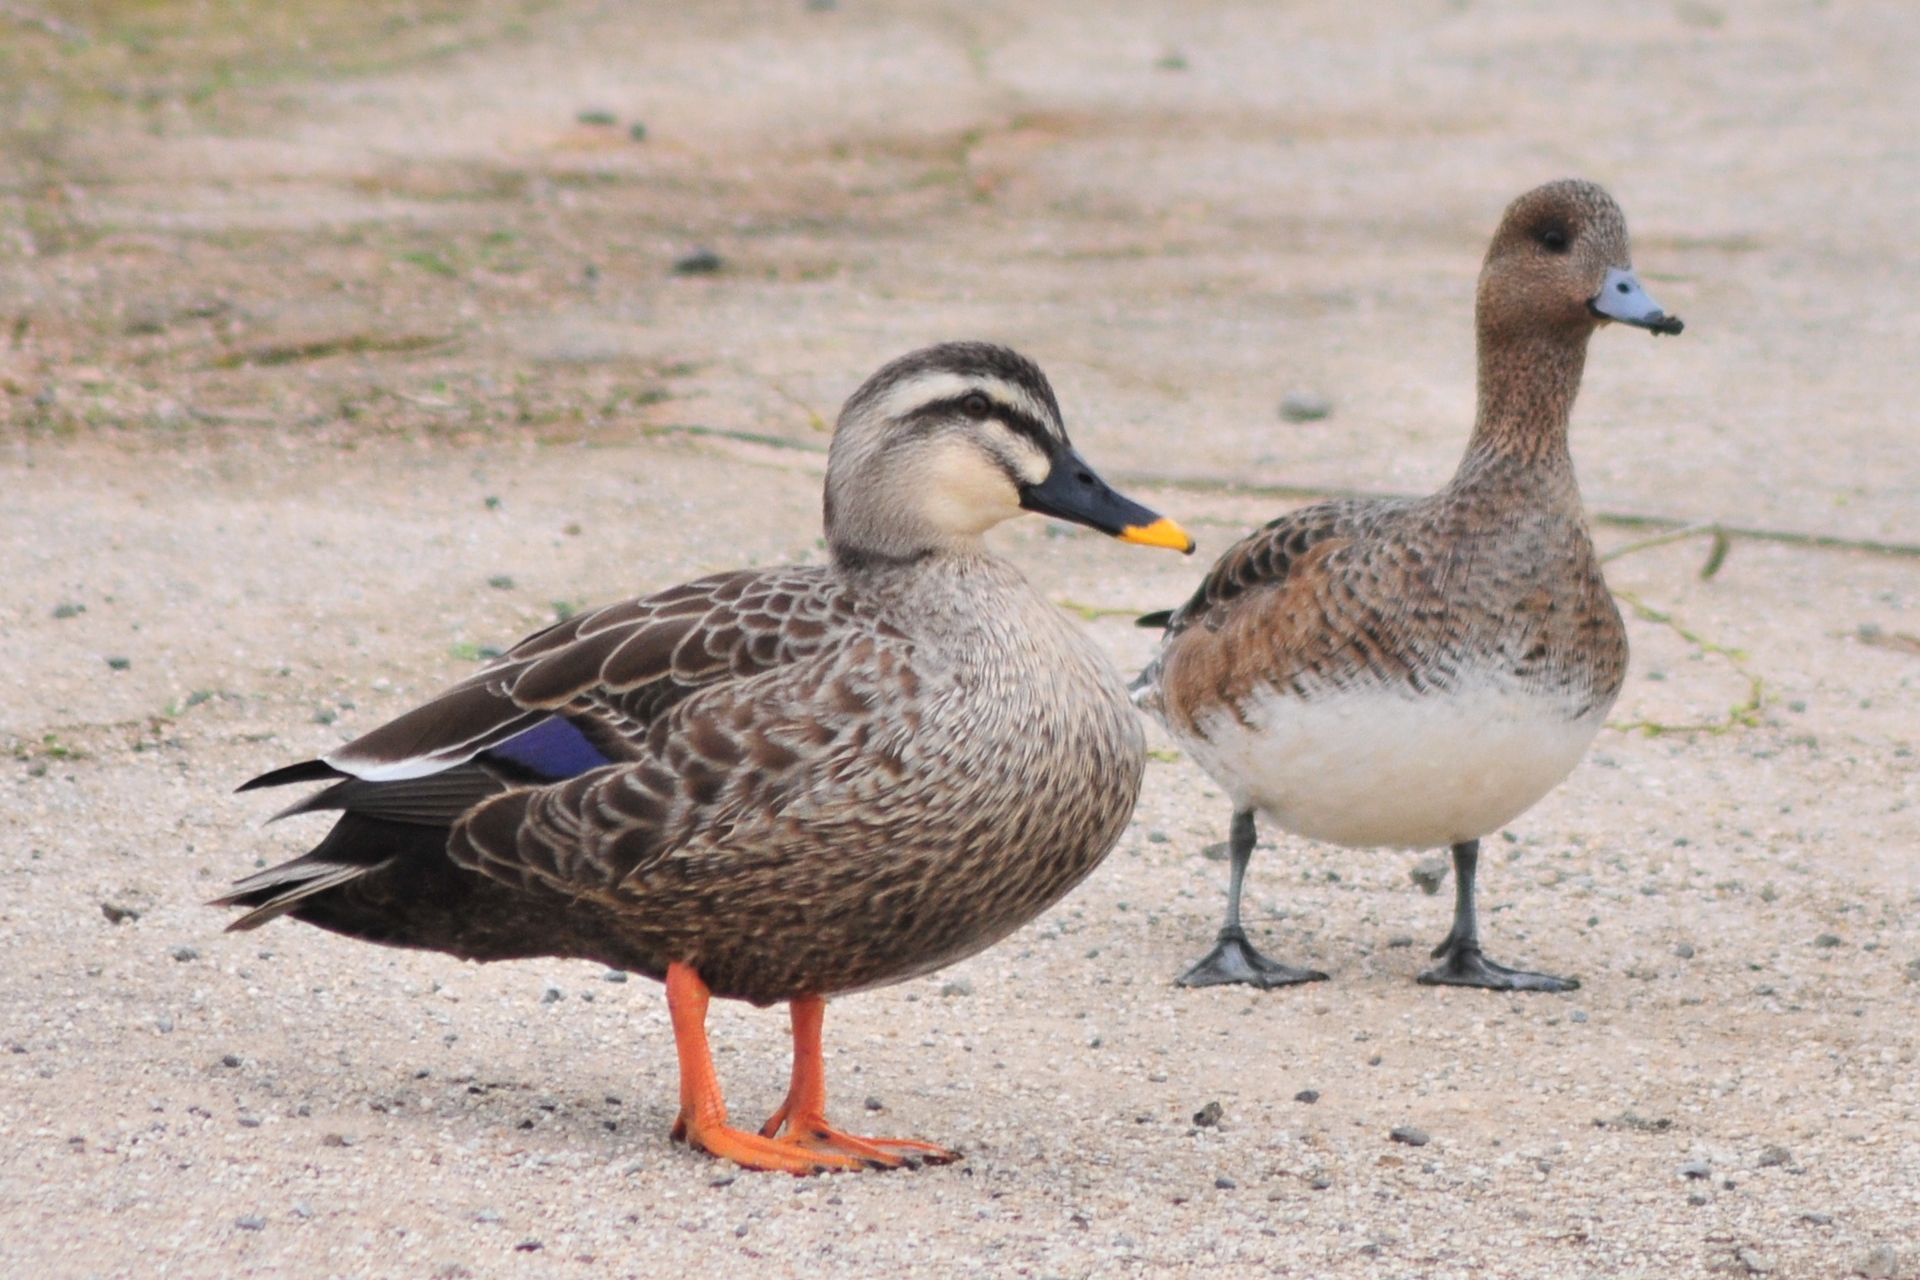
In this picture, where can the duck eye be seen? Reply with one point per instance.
(975, 406)
(1554, 240)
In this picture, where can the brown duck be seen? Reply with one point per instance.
(1418, 673)
(769, 785)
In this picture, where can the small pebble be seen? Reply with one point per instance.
(301, 1209)
(1827, 940)
(1882, 1262)
(1773, 1156)
(529, 1246)
(250, 1223)
(958, 987)
(1409, 1135)
(1209, 1115)
(1308, 1096)
(551, 993)
(1225, 1184)
(597, 117)
(249, 1122)
(115, 913)
(614, 975)
(230, 1060)
(1684, 951)
(488, 1215)
(1430, 873)
(1399, 940)
(183, 953)
(1695, 1169)
(119, 663)
(1699, 1197)
(1320, 1181)
(874, 1104)
(701, 262)
(1219, 851)
(1156, 837)
(1754, 1261)
(501, 582)
(1817, 1219)
(68, 610)
(722, 1180)
(1305, 406)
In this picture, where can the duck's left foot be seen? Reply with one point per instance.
(1464, 966)
(814, 1134)
(1234, 960)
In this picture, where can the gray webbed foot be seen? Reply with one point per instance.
(1464, 966)
(1234, 960)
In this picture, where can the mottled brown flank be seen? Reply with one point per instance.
(1494, 576)
(895, 791)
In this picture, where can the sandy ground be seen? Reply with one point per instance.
(311, 389)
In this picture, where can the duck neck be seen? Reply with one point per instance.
(1528, 382)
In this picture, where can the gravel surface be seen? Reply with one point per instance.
(240, 537)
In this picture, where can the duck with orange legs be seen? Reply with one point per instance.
(772, 785)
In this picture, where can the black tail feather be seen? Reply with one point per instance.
(305, 771)
(1157, 619)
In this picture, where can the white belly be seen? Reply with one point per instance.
(1379, 768)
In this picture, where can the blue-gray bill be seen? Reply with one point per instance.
(1623, 298)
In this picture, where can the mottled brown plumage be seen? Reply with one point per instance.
(772, 785)
(1419, 672)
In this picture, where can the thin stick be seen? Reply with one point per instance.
(1681, 528)
(1743, 715)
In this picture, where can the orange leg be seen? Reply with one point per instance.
(703, 1113)
(804, 1113)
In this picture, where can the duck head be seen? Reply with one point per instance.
(948, 441)
(1559, 264)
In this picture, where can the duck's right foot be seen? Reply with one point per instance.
(752, 1151)
(1234, 960)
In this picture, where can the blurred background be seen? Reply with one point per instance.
(582, 221)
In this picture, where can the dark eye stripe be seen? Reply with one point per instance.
(1015, 420)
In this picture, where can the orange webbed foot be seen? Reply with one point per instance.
(752, 1151)
(813, 1133)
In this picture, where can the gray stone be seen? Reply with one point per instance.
(1399, 940)
(1695, 1169)
(1209, 1116)
(1308, 1096)
(701, 262)
(119, 663)
(1225, 1184)
(1772, 1156)
(1409, 1135)
(183, 953)
(1684, 951)
(251, 1222)
(1754, 1261)
(1827, 940)
(614, 975)
(68, 610)
(1305, 406)
(1430, 873)
(1220, 851)
(1881, 1262)
(958, 987)
(551, 993)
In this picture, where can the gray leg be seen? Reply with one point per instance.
(1461, 964)
(1233, 958)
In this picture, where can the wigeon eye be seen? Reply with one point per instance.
(975, 406)
(1554, 240)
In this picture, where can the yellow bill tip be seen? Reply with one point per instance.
(1161, 533)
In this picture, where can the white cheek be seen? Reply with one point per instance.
(966, 493)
